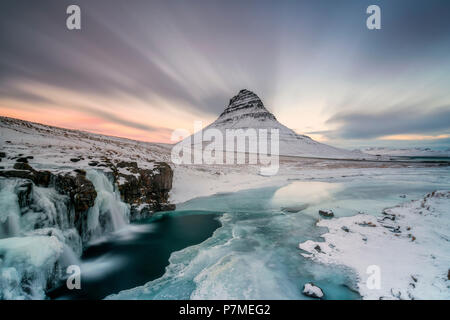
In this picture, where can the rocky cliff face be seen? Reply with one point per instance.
(146, 191)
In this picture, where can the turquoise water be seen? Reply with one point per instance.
(136, 254)
(255, 255)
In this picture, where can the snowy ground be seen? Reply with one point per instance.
(409, 245)
(65, 150)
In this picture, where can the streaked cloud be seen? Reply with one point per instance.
(404, 121)
(147, 67)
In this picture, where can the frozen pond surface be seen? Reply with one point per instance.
(255, 255)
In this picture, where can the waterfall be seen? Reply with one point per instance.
(109, 213)
(38, 237)
(9, 209)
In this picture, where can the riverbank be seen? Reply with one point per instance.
(407, 249)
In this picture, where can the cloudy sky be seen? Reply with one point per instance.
(140, 69)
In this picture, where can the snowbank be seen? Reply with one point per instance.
(408, 245)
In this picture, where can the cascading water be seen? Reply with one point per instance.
(9, 209)
(109, 213)
(38, 238)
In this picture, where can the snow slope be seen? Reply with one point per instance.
(53, 148)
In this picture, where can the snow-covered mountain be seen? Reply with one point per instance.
(246, 110)
(407, 152)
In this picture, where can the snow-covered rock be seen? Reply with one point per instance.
(326, 213)
(313, 291)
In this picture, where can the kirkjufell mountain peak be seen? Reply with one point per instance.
(245, 104)
(246, 110)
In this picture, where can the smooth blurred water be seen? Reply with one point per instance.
(255, 255)
(136, 254)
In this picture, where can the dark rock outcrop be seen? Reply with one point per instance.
(80, 190)
(23, 160)
(326, 213)
(146, 190)
(25, 171)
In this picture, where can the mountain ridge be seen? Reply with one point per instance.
(246, 110)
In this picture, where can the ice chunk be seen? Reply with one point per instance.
(310, 290)
(28, 265)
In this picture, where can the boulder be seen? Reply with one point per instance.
(23, 160)
(22, 166)
(326, 213)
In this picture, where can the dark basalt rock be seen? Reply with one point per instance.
(326, 213)
(22, 174)
(80, 190)
(23, 160)
(148, 191)
(127, 164)
(25, 171)
(2, 155)
(22, 166)
(40, 178)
